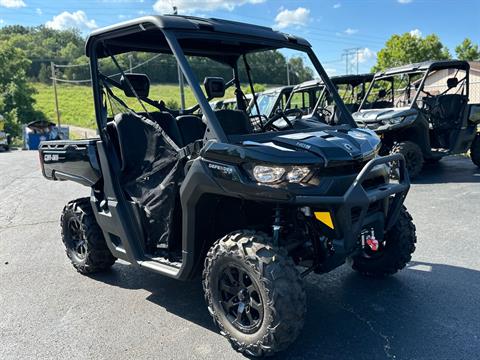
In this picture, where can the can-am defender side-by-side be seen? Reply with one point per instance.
(270, 101)
(311, 99)
(423, 112)
(253, 210)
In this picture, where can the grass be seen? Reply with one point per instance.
(76, 101)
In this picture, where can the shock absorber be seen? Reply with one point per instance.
(277, 225)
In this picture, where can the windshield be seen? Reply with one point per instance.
(395, 91)
(219, 87)
(305, 98)
(351, 93)
(265, 103)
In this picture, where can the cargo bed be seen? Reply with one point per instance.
(74, 160)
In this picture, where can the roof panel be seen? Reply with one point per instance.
(137, 28)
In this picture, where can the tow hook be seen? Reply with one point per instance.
(368, 239)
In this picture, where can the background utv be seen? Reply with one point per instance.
(423, 112)
(255, 208)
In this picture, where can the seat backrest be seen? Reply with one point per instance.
(168, 123)
(452, 105)
(191, 128)
(234, 122)
(135, 138)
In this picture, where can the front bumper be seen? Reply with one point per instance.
(360, 206)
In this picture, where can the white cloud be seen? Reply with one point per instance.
(13, 4)
(337, 6)
(416, 33)
(365, 54)
(67, 20)
(404, 1)
(189, 6)
(2, 21)
(298, 17)
(350, 31)
(39, 11)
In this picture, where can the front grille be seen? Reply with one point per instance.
(373, 183)
(374, 207)
(347, 168)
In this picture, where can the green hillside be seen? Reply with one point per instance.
(76, 102)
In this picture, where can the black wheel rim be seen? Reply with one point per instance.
(240, 299)
(77, 240)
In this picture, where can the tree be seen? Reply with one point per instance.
(467, 50)
(410, 48)
(298, 71)
(16, 101)
(44, 74)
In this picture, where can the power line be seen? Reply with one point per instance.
(351, 60)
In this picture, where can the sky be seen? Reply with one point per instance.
(331, 26)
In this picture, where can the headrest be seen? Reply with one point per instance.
(452, 82)
(382, 93)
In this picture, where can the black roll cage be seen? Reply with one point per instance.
(109, 39)
(426, 69)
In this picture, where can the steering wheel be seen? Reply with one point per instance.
(324, 112)
(298, 113)
(258, 120)
(270, 122)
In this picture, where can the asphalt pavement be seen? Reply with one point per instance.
(431, 310)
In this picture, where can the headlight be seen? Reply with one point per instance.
(274, 174)
(297, 174)
(399, 119)
(268, 174)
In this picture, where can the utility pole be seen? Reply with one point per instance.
(288, 72)
(54, 80)
(357, 60)
(352, 60)
(130, 57)
(181, 83)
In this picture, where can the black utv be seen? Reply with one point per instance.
(423, 112)
(254, 210)
(270, 101)
(311, 99)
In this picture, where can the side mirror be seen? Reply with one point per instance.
(139, 82)
(214, 87)
(452, 83)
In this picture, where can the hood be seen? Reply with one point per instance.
(327, 146)
(377, 115)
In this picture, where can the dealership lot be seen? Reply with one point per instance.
(47, 310)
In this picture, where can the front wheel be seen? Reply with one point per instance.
(254, 293)
(475, 150)
(393, 254)
(413, 157)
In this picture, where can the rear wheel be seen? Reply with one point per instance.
(413, 157)
(83, 239)
(393, 254)
(475, 150)
(254, 293)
